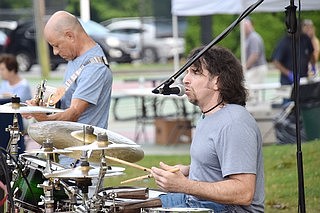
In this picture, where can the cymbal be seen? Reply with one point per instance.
(24, 108)
(65, 134)
(48, 151)
(84, 172)
(97, 146)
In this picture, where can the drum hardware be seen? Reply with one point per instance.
(47, 199)
(72, 192)
(15, 133)
(102, 138)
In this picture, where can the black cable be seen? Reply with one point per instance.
(8, 178)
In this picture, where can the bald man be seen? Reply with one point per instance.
(256, 63)
(86, 94)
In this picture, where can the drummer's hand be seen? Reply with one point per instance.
(169, 181)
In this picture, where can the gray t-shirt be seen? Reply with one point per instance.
(254, 44)
(93, 85)
(228, 142)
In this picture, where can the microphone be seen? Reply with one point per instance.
(175, 90)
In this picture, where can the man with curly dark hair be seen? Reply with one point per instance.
(226, 173)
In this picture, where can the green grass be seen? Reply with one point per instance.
(281, 179)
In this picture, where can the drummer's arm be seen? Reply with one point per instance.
(73, 113)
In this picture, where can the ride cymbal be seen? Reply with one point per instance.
(66, 134)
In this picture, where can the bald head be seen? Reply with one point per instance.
(67, 37)
(62, 21)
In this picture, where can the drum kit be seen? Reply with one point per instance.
(38, 183)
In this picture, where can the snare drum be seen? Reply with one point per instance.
(28, 196)
(176, 210)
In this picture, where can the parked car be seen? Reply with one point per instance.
(156, 42)
(118, 47)
(3, 38)
(5, 28)
(22, 43)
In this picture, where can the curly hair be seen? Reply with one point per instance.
(221, 62)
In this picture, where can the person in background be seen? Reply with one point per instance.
(309, 29)
(283, 61)
(86, 94)
(12, 83)
(226, 173)
(88, 79)
(256, 63)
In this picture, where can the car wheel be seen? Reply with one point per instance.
(149, 55)
(24, 61)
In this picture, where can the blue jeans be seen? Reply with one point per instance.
(179, 200)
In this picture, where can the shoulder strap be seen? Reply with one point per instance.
(76, 74)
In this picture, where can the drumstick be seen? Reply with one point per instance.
(146, 176)
(128, 163)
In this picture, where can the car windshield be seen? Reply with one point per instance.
(93, 28)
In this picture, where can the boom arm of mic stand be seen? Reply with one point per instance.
(222, 35)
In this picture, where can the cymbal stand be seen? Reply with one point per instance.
(12, 147)
(96, 202)
(48, 146)
(72, 192)
(47, 199)
(15, 133)
(84, 183)
(102, 138)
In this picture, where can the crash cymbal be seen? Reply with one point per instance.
(98, 146)
(84, 172)
(65, 134)
(24, 108)
(48, 151)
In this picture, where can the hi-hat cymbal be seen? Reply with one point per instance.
(24, 108)
(84, 172)
(65, 134)
(48, 151)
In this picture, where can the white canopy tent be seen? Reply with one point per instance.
(209, 7)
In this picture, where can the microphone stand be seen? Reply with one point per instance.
(164, 86)
(291, 23)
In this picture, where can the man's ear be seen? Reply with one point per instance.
(215, 81)
(69, 35)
